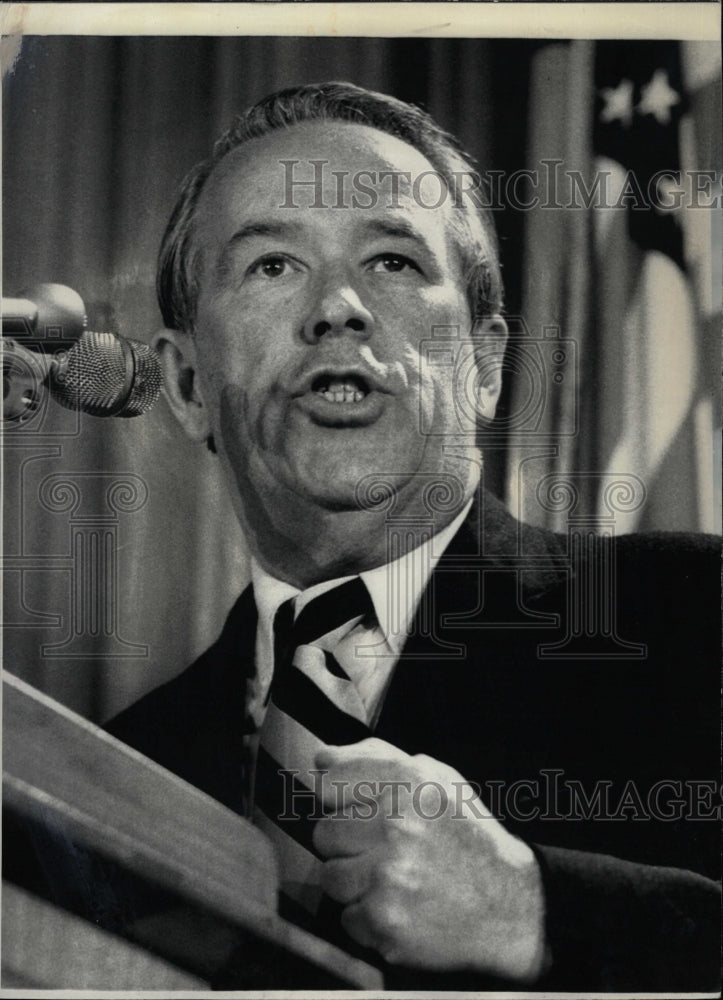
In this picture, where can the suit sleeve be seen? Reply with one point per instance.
(614, 924)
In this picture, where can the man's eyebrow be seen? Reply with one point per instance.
(397, 228)
(248, 231)
(402, 229)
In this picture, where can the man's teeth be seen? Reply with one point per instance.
(342, 392)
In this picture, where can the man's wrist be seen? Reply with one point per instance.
(534, 957)
(524, 955)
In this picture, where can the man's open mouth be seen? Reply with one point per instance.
(341, 389)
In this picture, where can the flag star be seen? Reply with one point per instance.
(658, 97)
(618, 103)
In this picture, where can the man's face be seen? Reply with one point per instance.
(311, 317)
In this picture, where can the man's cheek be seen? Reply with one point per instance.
(248, 419)
(236, 432)
(437, 388)
(245, 462)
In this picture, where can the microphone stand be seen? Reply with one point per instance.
(38, 327)
(25, 378)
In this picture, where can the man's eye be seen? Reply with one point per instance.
(273, 266)
(393, 263)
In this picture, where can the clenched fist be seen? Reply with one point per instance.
(428, 877)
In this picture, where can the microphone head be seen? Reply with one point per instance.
(108, 376)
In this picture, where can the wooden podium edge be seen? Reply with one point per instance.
(61, 769)
(76, 954)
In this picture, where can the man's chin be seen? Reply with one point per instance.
(330, 495)
(350, 489)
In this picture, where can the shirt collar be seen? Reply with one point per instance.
(395, 587)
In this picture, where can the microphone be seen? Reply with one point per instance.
(102, 375)
(107, 376)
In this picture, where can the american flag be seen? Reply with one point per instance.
(633, 281)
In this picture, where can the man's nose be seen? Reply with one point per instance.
(338, 309)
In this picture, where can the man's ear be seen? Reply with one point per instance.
(177, 351)
(490, 336)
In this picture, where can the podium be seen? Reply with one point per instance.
(87, 817)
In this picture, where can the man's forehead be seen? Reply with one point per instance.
(324, 164)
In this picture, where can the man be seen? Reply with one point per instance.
(333, 236)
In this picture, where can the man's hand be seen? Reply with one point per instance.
(429, 877)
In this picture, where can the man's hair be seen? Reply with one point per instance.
(178, 277)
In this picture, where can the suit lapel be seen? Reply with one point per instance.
(488, 582)
(219, 682)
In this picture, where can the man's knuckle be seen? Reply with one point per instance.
(392, 876)
(386, 917)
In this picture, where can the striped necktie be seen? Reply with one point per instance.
(312, 703)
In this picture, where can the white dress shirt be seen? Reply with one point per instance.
(370, 651)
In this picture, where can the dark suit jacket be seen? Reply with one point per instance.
(630, 891)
